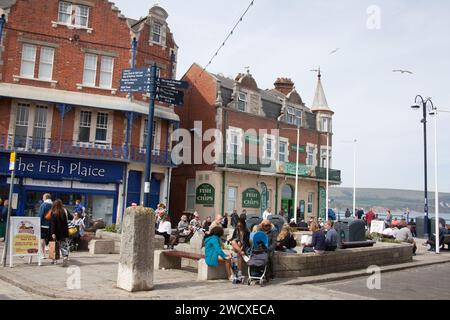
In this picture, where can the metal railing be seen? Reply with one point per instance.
(97, 150)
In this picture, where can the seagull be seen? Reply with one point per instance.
(335, 50)
(402, 71)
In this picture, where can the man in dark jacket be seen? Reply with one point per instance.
(45, 207)
(234, 218)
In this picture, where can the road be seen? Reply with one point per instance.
(426, 283)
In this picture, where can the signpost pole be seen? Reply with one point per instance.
(8, 218)
(148, 163)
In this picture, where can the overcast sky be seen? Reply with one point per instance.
(290, 37)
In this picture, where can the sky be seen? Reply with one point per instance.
(288, 38)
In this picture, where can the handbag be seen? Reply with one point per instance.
(53, 250)
(48, 215)
(73, 231)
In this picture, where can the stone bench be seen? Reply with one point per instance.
(172, 259)
(310, 264)
(101, 246)
(116, 237)
(357, 244)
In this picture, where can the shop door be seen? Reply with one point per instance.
(134, 188)
(155, 187)
(287, 201)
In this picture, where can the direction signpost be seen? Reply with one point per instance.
(144, 80)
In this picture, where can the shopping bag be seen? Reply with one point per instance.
(53, 250)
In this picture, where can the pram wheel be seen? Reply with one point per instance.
(261, 282)
(249, 281)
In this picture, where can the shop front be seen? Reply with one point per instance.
(96, 183)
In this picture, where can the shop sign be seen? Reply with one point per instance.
(251, 198)
(55, 168)
(264, 197)
(205, 195)
(25, 236)
(289, 168)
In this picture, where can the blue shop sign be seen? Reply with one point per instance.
(55, 168)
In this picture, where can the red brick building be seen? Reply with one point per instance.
(256, 169)
(76, 135)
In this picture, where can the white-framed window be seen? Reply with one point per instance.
(232, 194)
(190, 194)
(73, 14)
(30, 126)
(310, 155)
(294, 116)
(323, 157)
(156, 31)
(101, 128)
(28, 61)
(234, 141)
(155, 144)
(269, 147)
(242, 101)
(106, 72)
(325, 124)
(282, 151)
(310, 202)
(85, 126)
(47, 56)
(90, 69)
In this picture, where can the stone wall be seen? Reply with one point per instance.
(302, 265)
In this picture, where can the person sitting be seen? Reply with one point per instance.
(331, 236)
(207, 223)
(318, 240)
(405, 235)
(240, 241)
(78, 223)
(217, 222)
(269, 229)
(195, 223)
(413, 227)
(303, 226)
(183, 230)
(165, 230)
(214, 253)
(443, 231)
(286, 241)
(292, 223)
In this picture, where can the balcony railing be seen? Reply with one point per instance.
(334, 175)
(103, 151)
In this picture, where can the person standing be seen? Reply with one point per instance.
(388, 219)
(234, 219)
(370, 216)
(360, 213)
(348, 214)
(59, 229)
(267, 215)
(243, 215)
(79, 224)
(224, 221)
(44, 208)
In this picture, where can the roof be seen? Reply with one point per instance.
(82, 99)
(320, 101)
(7, 3)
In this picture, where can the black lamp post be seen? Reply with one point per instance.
(420, 102)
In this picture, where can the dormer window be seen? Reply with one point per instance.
(156, 32)
(73, 14)
(242, 102)
(294, 116)
(325, 124)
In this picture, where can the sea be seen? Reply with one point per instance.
(412, 215)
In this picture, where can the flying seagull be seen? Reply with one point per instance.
(402, 71)
(335, 50)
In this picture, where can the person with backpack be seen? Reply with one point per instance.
(45, 216)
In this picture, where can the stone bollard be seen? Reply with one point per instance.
(137, 250)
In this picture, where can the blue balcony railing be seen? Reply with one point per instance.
(103, 151)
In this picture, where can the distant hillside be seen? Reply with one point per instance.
(396, 200)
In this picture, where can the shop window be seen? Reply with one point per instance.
(190, 195)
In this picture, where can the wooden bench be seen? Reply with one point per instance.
(357, 244)
(171, 259)
(182, 254)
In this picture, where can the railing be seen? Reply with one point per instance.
(103, 151)
(334, 175)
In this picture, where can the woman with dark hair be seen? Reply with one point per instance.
(59, 229)
(240, 241)
(214, 253)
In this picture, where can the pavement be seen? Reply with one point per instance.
(94, 277)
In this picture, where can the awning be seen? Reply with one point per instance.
(82, 99)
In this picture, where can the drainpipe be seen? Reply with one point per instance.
(225, 125)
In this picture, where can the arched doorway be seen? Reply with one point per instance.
(287, 201)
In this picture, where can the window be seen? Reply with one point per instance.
(102, 127)
(145, 137)
(156, 32)
(234, 144)
(190, 195)
(310, 202)
(40, 127)
(85, 126)
(232, 198)
(73, 14)
(90, 69)
(242, 102)
(294, 116)
(323, 157)
(21, 132)
(325, 124)
(269, 147)
(46, 63)
(310, 155)
(106, 72)
(234, 141)
(269, 150)
(28, 61)
(282, 152)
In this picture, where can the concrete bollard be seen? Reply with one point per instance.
(137, 250)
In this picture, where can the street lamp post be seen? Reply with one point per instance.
(328, 177)
(424, 103)
(354, 175)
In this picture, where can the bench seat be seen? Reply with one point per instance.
(357, 244)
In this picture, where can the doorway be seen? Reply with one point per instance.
(287, 201)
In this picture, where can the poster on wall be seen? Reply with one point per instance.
(25, 238)
(205, 195)
(251, 198)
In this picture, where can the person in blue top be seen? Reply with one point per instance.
(45, 224)
(214, 253)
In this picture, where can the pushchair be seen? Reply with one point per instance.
(259, 259)
(74, 237)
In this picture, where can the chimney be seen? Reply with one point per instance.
(284, 85)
